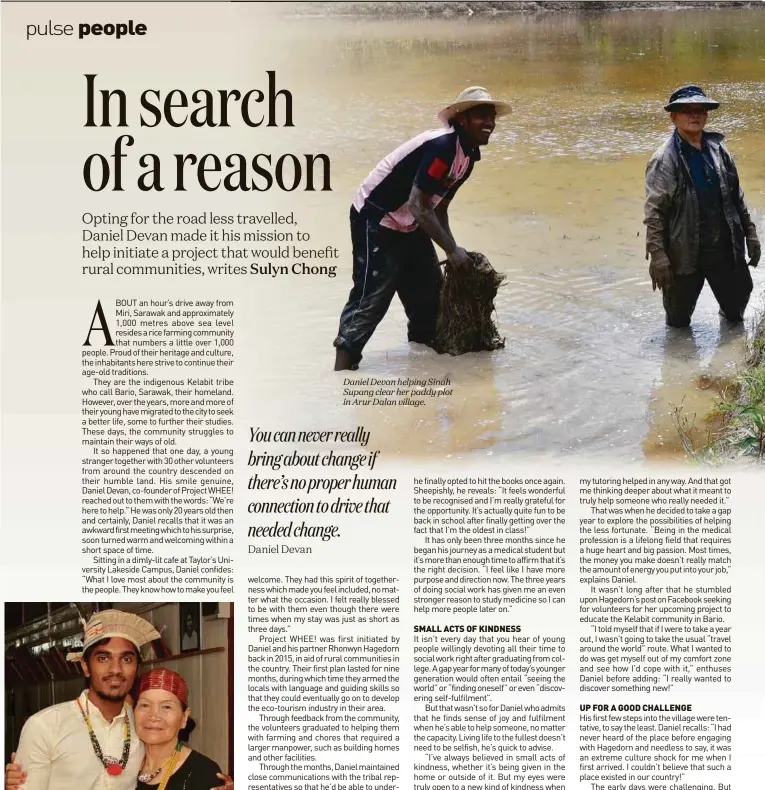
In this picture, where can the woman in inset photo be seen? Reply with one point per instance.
(163, 723)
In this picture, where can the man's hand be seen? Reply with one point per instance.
(660, 270)
(459, 258)
(14, 774)
(228, 783)
(753, 247)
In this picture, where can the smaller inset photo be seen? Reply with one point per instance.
(104, 695)
(190, 622)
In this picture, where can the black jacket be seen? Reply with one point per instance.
(671, 207)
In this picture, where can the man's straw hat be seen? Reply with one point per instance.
(472, 97)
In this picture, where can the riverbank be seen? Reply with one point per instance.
(742, 408)
(389, 10)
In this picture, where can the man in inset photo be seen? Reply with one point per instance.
(399, 210)
(73, 745)
(698, 224)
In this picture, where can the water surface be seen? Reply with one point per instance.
(556, 203)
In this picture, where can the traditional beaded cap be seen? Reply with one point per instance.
(167, 680)
(114, 623)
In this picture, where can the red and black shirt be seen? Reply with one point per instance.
(438, 162)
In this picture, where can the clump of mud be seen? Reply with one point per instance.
(465, 320)
(725, 385)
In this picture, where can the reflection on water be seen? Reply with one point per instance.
(437, 427)
(697, 365)
(556, 203)
(580, 86)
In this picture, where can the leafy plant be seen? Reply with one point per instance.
(741, 408)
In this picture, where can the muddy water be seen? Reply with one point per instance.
(556, 203)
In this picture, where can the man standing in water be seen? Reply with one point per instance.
(696, 216)
(398, 212)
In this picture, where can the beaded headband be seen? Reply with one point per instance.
(166, 680)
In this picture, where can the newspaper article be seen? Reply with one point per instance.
(502, 532)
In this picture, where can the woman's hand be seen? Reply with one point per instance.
(15, 775)
(660, 270)
(228, 783)
(753, 247)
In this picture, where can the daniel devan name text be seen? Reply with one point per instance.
(281, 548)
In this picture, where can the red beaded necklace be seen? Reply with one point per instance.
(113, 766)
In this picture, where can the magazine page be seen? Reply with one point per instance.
(384, 386)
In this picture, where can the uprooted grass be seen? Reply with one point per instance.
(740, 410)
(467, 302)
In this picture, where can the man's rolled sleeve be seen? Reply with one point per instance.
(34, 754)
(659, 187)
(434, 169)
